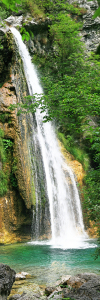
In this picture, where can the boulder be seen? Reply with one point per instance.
(7, 278)
(84, 286)
(75, 281)
(90, 289)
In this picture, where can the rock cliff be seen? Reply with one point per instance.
(15, 205)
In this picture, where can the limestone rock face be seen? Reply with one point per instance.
(91, 27)
(15, 205)
(40, 42)
(23, 162)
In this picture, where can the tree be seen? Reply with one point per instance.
(11, 4)
(66, 42)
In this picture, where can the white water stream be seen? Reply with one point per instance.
(65, 209)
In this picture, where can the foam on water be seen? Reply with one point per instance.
(79, 244)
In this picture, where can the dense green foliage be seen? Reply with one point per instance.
(72, 100)
(37, 8)
(7, 175)
(76, 111)
(10, 4)
(3, 175)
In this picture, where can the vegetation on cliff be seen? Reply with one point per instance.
(3, 176)
(8, 163)
(72, 89)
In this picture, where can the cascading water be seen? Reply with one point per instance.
(65, 210)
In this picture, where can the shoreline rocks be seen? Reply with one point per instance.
(7, 278)
(80, 287)
(22, 276)
(83, 286)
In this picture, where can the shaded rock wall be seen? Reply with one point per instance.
(30, 152)
(15, 206)
(24, 160)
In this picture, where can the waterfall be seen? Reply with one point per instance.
(66, 220)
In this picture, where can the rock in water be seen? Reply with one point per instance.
(7, 278)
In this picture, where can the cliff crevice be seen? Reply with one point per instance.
(15, 205)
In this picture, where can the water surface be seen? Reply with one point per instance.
(48, 264)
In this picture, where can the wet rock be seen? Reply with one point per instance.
(22, 275)
(63, 281)
(14, 20)
(7, 278)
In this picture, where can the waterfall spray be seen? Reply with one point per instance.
(65, 209)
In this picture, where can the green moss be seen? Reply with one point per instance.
(6, 158)
(2, 151)
(5, 118)
(33, 194)
(13, 180)
(3, 183)
(3, 174)
(14, 164)
(75, 150)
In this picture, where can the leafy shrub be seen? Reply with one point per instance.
(4, 13)
(34, 7)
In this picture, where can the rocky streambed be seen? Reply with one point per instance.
(83, 286)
